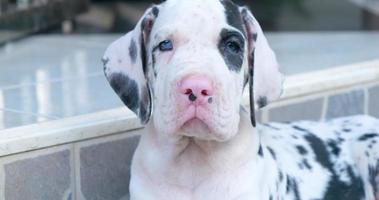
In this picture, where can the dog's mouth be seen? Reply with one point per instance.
(195, 127)
(194, 121)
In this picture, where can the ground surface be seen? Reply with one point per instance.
(45, 78)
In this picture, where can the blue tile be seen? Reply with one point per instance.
(105, 169)
(308, 110)
(43, 177)
(374, 101)
(346, 104)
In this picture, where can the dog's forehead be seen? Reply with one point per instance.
(200, 15)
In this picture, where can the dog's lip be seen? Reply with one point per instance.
(191, 114)
(193, 123)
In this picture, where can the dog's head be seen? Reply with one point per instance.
(185, 65)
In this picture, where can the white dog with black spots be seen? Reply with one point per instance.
(183, 70)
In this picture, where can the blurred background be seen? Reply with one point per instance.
(19, 18)
(50, 50)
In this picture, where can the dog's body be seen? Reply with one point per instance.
(189, 62)
(334, 160)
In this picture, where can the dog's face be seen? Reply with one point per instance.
(185, 65)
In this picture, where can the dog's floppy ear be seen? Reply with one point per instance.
(125, 67)
(265, 80)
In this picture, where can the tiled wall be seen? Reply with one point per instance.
(100, 168)
(94, 169)
(354, 101)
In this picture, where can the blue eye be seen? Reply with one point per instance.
(166, 45)
(233, 47)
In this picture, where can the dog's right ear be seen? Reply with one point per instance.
(126, 67)
(265, 79)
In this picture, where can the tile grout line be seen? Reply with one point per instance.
(57, 80)
(73, 173)
(77, 179)
(366, 101)
(325, 108)
(32, 114)
(2, 180)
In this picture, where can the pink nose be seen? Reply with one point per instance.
(196, 88)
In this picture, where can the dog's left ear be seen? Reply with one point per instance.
(265, 80)
(126, 67)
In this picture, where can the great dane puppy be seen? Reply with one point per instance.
(183, 70)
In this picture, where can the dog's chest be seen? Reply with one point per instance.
(190, 184)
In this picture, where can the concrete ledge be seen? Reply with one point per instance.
(67, 130)
(328, 80)
(121, 120)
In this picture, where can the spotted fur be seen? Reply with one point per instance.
(224, 155)
(326, 160)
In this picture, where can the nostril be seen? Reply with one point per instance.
(188, 91)
(204, 92)
(195, 88)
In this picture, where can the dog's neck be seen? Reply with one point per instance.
(182, 159)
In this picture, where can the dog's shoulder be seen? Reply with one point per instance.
(325, 159)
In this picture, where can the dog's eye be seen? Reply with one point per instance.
(165, 45)
(233, 47)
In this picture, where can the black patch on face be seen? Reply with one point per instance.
(133, 51)
(233, 15)
(262, 102)
(233, 59)
(368, 136)
(126, 89)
